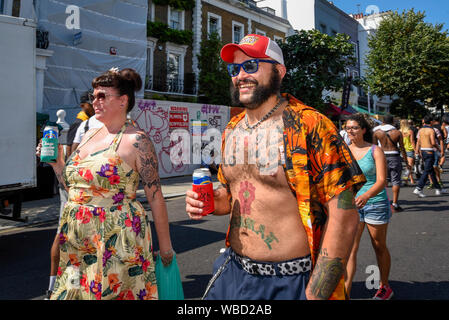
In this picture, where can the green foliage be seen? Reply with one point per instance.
(177, 4)
(401, 109)
(409, 58)
(164, 33)
(315, 62)
(214, 80)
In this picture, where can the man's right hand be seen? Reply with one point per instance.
(194, 206)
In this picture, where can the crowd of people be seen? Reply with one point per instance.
(421, 149)
(296, 215)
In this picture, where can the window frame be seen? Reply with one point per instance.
(179, 50)
(261, 32)
(149, 67)
(242, 33)
(219, 26)
(275, 38)
(356, 51)
(323, 28)
(182, 17)
(151, 12)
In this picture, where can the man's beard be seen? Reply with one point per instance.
(260, 94)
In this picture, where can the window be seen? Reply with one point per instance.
(348, 72)
(151, 10)
(213, 23)
(175, 19)
(262, 33)
(175, 66)
(333, 33)
(278, 39)
(355, 50)
(237, 31)
(173, 72)
(323, 28)
(2, 5)
(16, 8)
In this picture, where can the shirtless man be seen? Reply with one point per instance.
(426, 145)
(288, 181)
(391, 141)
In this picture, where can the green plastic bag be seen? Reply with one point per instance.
(169, 285)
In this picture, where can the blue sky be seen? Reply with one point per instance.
(437, 11)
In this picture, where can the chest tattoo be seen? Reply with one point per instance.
(246, 196)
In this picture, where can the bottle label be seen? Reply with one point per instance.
(49, 147)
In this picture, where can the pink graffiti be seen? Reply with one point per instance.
(154, 120)
(146, 104)
(207, 108)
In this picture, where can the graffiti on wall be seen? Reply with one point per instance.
(160, 118)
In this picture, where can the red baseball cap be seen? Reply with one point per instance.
(253, 45)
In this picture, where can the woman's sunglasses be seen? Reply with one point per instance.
(250, 66)
(101, 96)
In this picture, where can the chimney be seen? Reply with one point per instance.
(284, 9)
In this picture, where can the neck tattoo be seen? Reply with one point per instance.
(265, 117)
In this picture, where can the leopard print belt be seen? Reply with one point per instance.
(291, 267)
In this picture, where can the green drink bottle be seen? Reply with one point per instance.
(49, 150)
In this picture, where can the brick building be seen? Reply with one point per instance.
(172, 66)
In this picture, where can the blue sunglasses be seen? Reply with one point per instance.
(250, 66)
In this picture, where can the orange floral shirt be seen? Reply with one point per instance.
(318, 166)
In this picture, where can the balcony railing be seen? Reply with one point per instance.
(175, 85)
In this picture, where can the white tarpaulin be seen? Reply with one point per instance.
(89, 37)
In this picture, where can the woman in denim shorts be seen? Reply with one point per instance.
(371, 201)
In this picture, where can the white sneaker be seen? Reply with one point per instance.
(419, 193)
(439, 192)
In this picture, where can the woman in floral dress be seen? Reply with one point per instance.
(105, 238)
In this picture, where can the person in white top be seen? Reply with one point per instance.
(86, 125)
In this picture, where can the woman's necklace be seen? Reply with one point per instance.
(265, 117)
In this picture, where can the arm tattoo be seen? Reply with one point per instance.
(61, 181)
(148, 168)
(325, 277)
(346, 200)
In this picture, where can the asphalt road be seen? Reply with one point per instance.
(25, 254)
(417, 239)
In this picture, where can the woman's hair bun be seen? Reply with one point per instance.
(132, 76)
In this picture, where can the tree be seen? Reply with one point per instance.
(315, 62)
(409, 58)
(214, 79)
